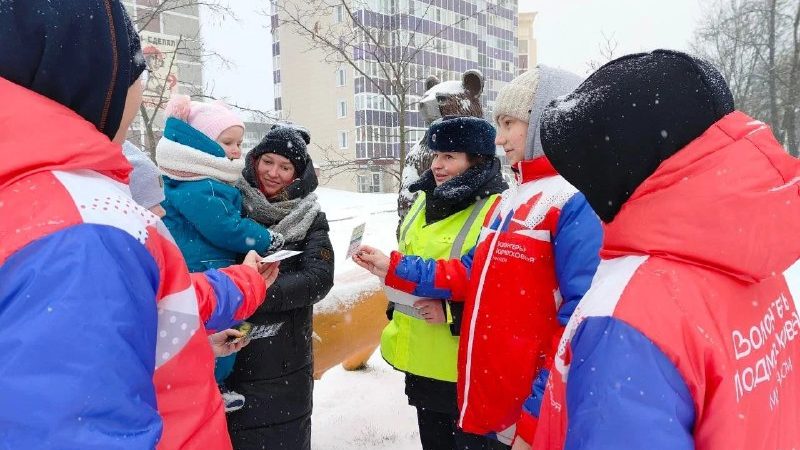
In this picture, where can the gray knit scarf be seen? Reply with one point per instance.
(291, 218)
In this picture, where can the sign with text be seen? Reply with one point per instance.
(159, 51)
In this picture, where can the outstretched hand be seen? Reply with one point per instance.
(268, 271)
(373, 260)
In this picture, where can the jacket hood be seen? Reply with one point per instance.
(728, 201)
(552, 83)
(71, 142)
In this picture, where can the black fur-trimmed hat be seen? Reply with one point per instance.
(462, 134)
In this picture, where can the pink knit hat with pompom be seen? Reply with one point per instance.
(209, 118)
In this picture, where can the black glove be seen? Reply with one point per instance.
(277, 242)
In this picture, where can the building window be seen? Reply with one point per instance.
(342, 140)
(338, 15)
(523, 46)
(278, 104)
(341, 109)
(370, 182)
(523, 62)
(341, 77)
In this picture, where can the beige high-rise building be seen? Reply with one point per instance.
(162, 31)
(526, 42)
(318, 96)
(349, 120)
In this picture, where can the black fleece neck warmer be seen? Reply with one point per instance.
(83, 54)
(460, 192)
(622, 122)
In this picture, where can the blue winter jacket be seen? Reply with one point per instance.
(204, 216)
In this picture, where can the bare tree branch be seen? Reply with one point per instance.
(756, 46)
(607, 49)
(188, 48)
(380, 55)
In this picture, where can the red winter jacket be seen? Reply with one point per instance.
(533, 262)
(689, 337)
(96, 300)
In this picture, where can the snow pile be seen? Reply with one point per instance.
(366, 409)
(345, 211)
(452, 87)
(409, 174)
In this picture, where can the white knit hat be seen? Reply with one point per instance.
(526, 97)
(516, 98)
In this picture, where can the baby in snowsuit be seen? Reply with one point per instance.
(200, 156)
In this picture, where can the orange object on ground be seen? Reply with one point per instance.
(349, 330)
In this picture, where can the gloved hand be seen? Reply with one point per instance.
(277, 243)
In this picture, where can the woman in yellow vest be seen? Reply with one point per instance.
(455, 196)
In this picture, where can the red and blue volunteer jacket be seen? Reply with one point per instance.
(534, 261)
(689, 337)
(103, 326)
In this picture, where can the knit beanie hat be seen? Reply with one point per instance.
(304, 133)
(628, 117)
(526, 97)
(147, 187)
(285, 141)
(515, 98)
(209, 118)
(83, 54)
(462, 134)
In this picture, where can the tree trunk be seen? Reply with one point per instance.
(772, 75)
(790, 110)
(401, 120)
(149, 135)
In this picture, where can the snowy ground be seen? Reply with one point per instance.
(363, 410)
(345, 211)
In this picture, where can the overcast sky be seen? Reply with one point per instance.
(568, 32)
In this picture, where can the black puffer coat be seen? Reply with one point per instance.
(275, 374)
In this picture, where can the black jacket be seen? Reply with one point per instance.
(274, 374)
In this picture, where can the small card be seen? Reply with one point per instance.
(279, 255)
(251, 331)
(400, 297)
(265, 331)
(355, 240)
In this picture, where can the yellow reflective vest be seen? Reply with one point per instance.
(409, 343)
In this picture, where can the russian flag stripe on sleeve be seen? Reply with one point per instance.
(249, 282)
(228, 300)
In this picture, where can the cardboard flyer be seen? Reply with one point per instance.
(355, 240)
(279, 255)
